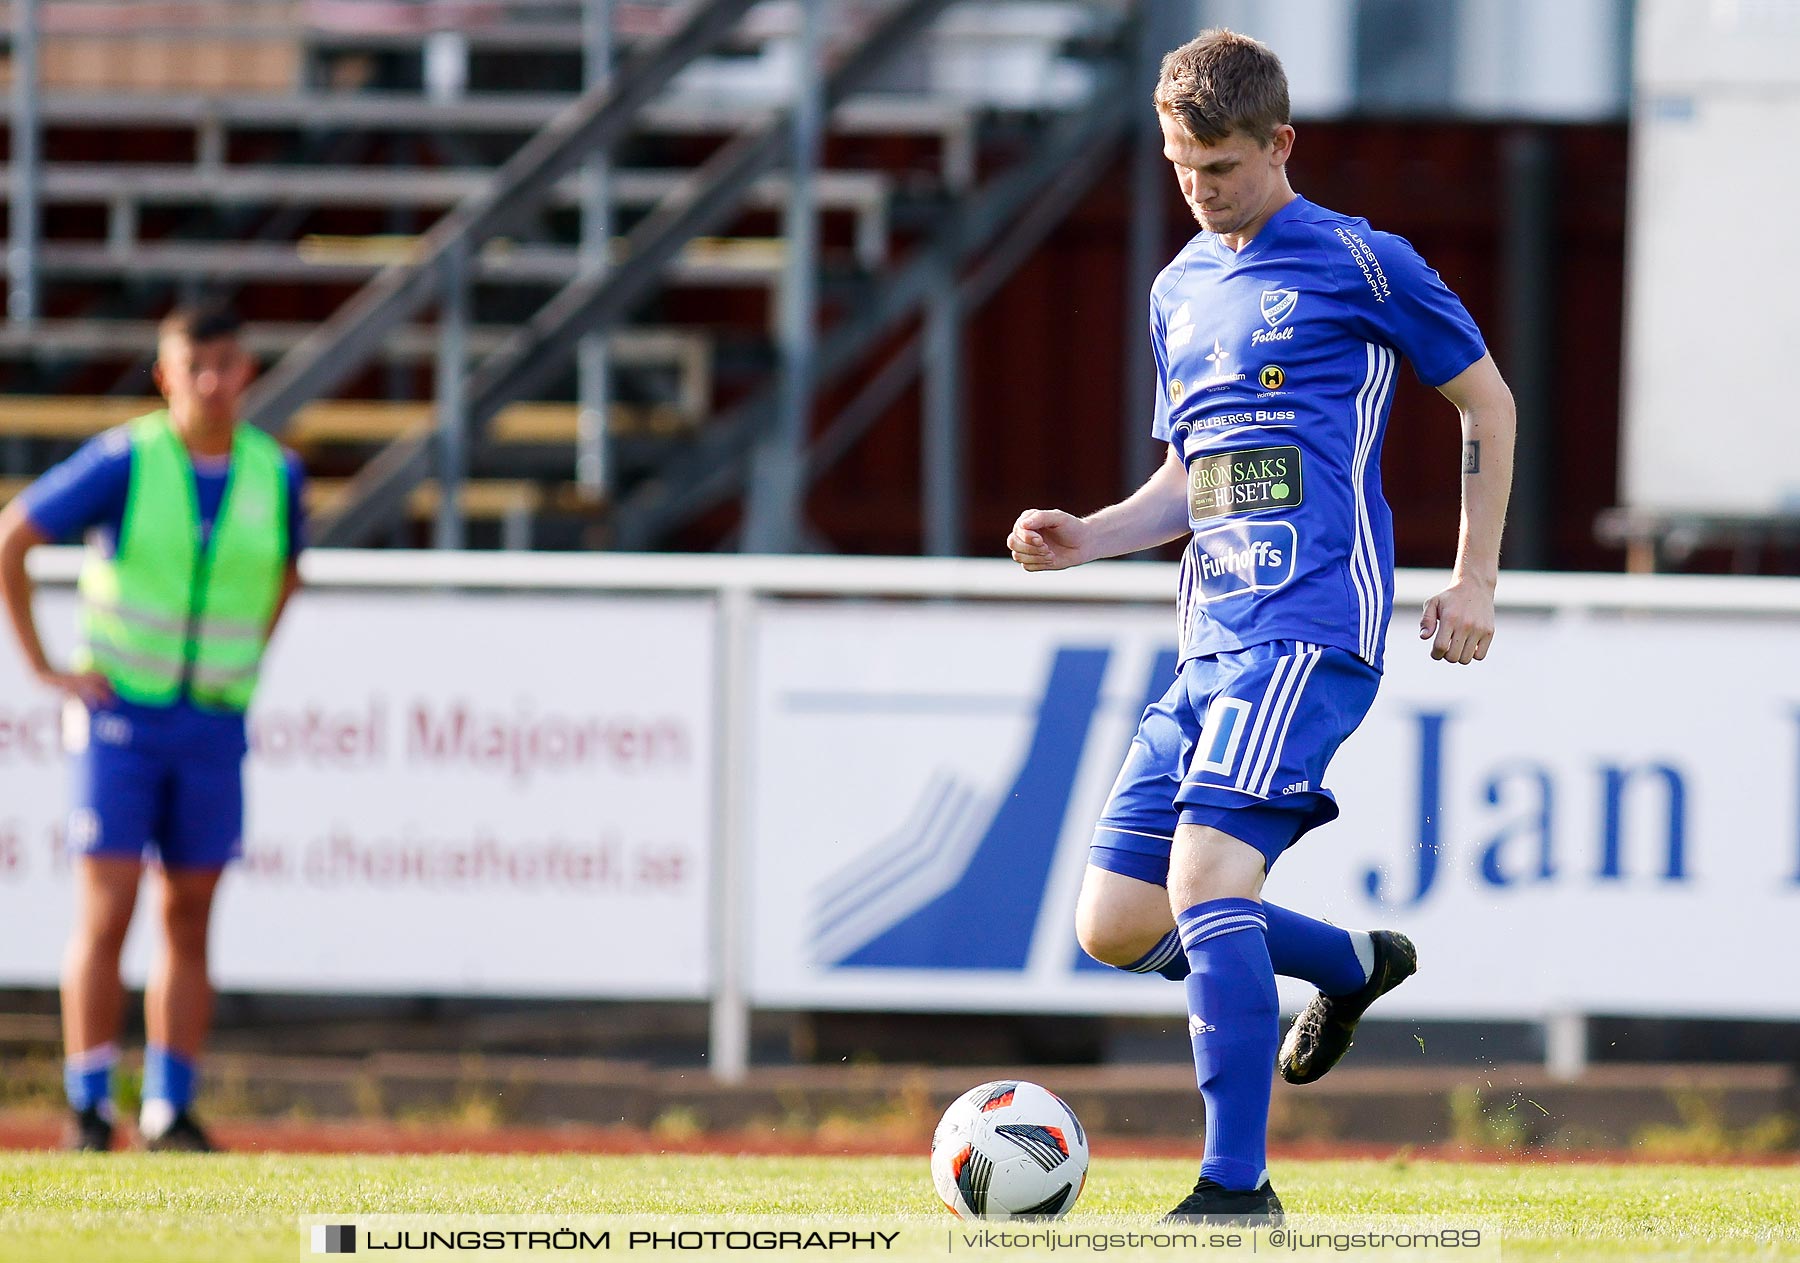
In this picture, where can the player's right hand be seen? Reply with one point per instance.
(1048, 539)
(89, 687)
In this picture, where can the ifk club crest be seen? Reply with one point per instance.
(1278, 305)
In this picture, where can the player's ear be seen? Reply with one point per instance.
(156, 375)
(1281, 145)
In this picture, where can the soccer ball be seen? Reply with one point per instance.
(1009, 1150)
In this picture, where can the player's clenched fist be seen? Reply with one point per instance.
(1048, 539)
(1459, 621)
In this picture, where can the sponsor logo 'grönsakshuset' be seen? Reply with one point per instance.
(1244, 481)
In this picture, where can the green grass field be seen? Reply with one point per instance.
(239, 1207)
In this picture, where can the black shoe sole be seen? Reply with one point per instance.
(1267, 1219)
(85, 1136)
(1325, 1029)
(183, 1136)
(1230, 1210)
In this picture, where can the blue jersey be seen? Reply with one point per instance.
(1275, 370)
(85, 496)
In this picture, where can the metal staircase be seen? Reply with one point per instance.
(509, 295)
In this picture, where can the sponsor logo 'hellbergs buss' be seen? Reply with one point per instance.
(1249, 557)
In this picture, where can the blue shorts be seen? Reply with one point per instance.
(1239, 743)
(162, 782)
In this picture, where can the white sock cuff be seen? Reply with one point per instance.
(1365, 951)
(99, 1057)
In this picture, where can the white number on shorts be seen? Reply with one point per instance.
(1222, 735)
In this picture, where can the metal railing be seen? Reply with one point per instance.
(593, 303)
(344, 343)
(996, 226)
(746, 587)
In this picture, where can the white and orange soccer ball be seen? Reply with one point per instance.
(1009, 1150)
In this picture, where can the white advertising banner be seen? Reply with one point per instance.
(452, 793)
(1600, 818)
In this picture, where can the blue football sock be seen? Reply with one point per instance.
(1166, 958)
(1233, 1020)
(168, 1076)
(1335, 961)
(87, 1076)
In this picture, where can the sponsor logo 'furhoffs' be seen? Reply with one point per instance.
(1240, 557)
(1253, 557)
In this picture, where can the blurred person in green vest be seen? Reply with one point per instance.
(193, 526)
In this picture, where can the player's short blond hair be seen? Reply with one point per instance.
(1221, 82)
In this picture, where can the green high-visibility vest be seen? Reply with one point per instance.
(169, 610)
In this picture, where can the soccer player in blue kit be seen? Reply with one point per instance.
(1276, 331)
(193, 524)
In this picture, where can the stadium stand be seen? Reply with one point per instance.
(354, 150)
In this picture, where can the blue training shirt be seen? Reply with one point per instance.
(84, 496)
(1275, 374)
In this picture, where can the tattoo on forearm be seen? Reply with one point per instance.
(1472, 456)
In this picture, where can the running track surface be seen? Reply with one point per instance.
(43, 1130)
